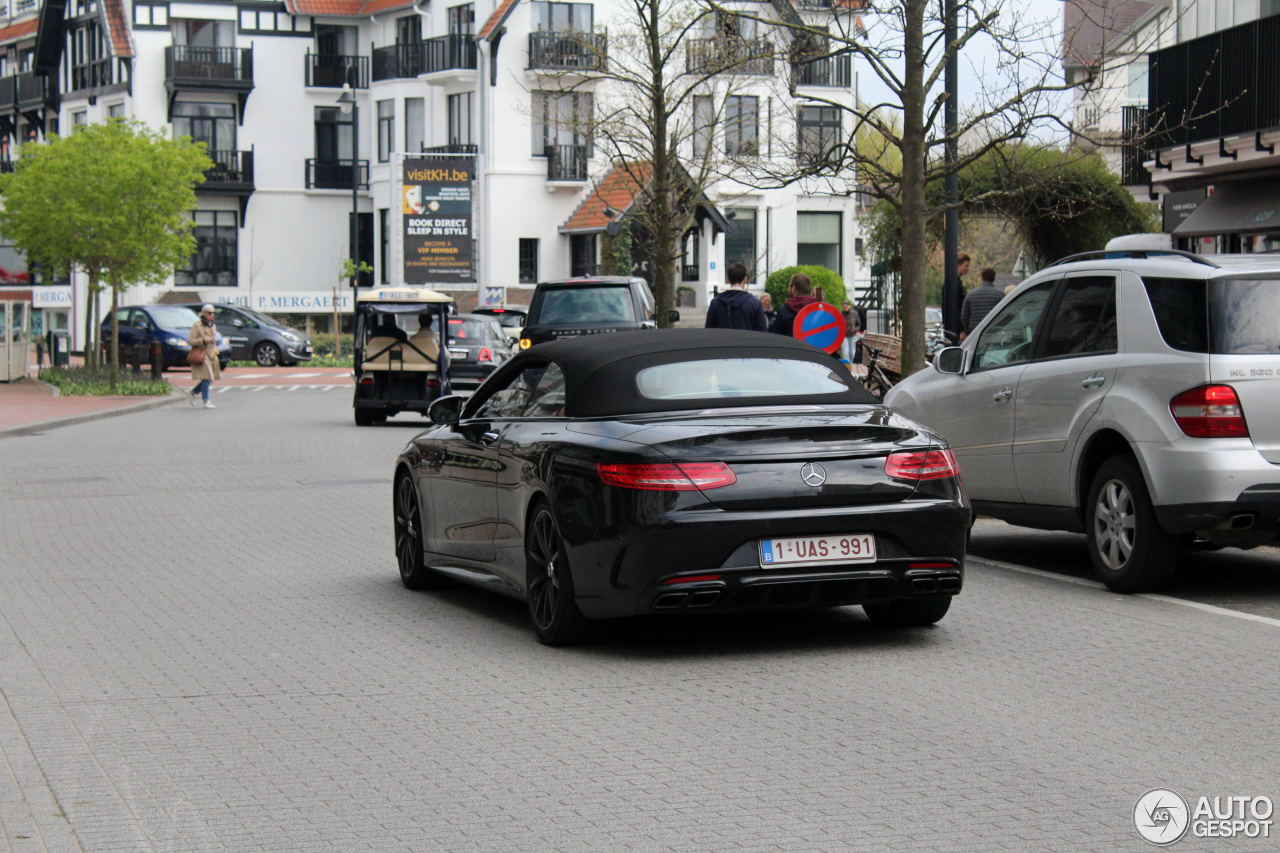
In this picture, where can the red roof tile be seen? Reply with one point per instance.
(118, 28)
(325, 7)
(618, 191)
(373, 7)
(18, 30)
(496, 19)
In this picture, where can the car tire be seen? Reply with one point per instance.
(364, 417)
(1129, 549)
(266, 354)
(908, 612)
(407, 522)
(549, 583)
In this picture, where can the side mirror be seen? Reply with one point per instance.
(949, 360)
(446, 410)
(674, 316)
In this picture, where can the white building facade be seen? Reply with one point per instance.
(259, 83)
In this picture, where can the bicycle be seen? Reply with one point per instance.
(877, 381)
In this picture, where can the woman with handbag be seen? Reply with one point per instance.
(203, 356)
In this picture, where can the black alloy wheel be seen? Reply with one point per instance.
(266, 354)
(1129, 549)
(908, 612)
(414, 573)
(549, 584)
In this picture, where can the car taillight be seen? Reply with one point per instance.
(1210, 411)
(921, 465)
(366, 380)
(669, 477)
(486, 354)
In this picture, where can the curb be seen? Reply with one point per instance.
(69, 420)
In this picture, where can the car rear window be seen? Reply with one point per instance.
(1244, 316)
(1181, 312)
(604, 304)
(722, 378)
(468, 330)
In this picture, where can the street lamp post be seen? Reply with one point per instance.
(347, 101)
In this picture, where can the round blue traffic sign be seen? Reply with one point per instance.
(821, 325)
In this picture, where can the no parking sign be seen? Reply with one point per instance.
(821, 325)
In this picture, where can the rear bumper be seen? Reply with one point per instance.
(1257, 508)
(642, 570)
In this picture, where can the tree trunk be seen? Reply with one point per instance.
(914, 206)
(115, 333)
(88, 327)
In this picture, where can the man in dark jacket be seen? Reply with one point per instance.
(799, 294)
(953, 300)
(735, 308)
(979, 302)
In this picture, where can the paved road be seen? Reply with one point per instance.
(247, 674)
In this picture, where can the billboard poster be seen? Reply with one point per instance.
(436, 207)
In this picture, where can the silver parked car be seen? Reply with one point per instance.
(1133, 396)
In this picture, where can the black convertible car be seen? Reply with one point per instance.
(680, 470)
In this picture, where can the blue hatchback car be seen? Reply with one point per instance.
(167, 324)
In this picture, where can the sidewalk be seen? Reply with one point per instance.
(29, 406)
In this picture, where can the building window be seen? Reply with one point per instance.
(386, 130)
(1137, 88)
(740, 246)
(742, 125)
(562, 17)
(561, 118)
(818, 240)
(528, 260)
(79, 118)
(415, 125)
(462, 19)
(115, 111)
(582, 254)
(819, 129)
(212, 124)
(333, 135)
(151, 15)
(704, 120)
(214, 261)
(199, 32)
(272, 21)
(384, 246)
(460, 119)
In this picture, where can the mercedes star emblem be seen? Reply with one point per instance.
(813, 474)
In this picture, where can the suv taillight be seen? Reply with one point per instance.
(1210, 411)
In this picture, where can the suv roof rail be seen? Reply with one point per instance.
(1134, 253)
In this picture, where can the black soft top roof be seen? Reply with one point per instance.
(600, 369)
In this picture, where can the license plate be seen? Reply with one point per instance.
(818, 550)
(458, 354)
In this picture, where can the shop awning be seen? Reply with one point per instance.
(1242, 208)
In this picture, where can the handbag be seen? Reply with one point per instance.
(195, 358)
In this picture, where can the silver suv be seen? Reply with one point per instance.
(1133, 396)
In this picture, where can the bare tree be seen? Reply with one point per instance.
(661, 88)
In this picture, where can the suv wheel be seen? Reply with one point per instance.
(1129, 549)
(266, 354)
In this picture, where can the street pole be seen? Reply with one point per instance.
(348, 100)
(951, 149)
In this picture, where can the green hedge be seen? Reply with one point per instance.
(102, 382)
(830, 281)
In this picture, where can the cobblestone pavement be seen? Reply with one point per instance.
(204, 646)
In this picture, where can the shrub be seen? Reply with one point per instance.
(831, 283)
(98, 382)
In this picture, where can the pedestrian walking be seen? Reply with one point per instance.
(799, 294)
(953, 300)
(204, 338)
(766, 305)
(852, 326)
(979, 302)
(735, 308)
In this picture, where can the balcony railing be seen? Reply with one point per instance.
(455, 148)
(828, 71)
(397, 61)
(92, 75)
(1216, 86)
(335, 174)
(730, 56)
(1133, 151)
(35, 89)
(568, 50)
(198, 66)
(335, 70)
(566, 162)
(232, 172)
(444, 53)
(1088, 116)
(6, 166)
(8, 94)
(688, 272)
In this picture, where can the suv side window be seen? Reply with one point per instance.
(1010, 337)
(1084, 320)
(1181, 311)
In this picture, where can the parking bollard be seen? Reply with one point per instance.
(157, 360)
